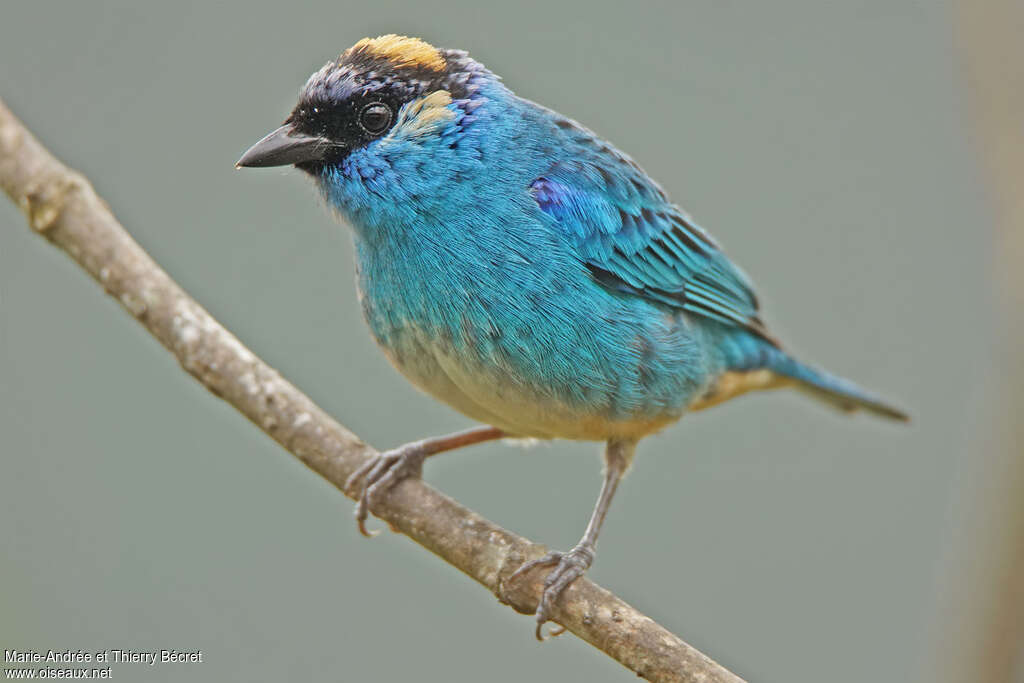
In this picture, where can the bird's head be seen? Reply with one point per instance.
(387, 118)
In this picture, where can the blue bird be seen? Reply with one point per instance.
(516, 266)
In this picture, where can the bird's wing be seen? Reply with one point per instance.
(634, 240)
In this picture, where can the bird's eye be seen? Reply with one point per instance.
(375, 117)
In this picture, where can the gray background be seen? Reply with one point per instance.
(827, 145)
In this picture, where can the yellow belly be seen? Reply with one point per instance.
(484, 395)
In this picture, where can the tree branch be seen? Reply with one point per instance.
(62, 206)
(982, 641)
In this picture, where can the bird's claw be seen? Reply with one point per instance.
(381, 472)
(569, 566)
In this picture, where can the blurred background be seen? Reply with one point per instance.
(840, 153)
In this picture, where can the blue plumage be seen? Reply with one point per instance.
(520, 268)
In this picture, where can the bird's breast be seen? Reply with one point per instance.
(524, 340)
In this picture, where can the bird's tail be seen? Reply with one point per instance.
(836, 391)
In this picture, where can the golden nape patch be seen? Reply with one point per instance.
(732, 384)
(402, 51)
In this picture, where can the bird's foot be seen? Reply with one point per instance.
(567, 568)
(380, 473)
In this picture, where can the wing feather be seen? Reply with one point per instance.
(633, 240)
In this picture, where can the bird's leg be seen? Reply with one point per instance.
(571, 565)
(384, 470)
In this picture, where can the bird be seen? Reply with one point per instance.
(516, 266)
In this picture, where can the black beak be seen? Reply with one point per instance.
(287, 146)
